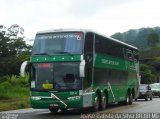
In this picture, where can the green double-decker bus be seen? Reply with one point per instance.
(80, 68)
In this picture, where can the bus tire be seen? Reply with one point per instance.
(97, 103)
(104, 101)
(129, 99)
(53, 110)
(150, 98)
(146, 98)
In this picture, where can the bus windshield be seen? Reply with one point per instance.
(58, 43)
(55, 76)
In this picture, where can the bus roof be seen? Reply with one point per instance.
(63, 30)
(85, 31)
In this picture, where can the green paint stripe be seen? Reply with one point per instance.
(106, 61)
(55, 58)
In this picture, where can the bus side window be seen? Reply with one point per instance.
(88, 47)
(99, 44)
(129, 54)
(135, 56)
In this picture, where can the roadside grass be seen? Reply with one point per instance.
(12, 104)
(14, 93)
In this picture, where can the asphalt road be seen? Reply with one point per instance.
(139, 106)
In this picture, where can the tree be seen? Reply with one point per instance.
(153, 39)
(13, 50)
(148, 74)
(15, 32)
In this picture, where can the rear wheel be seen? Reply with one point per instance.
(129, 99)
(146, 99)
(97, 103)
(151, 97)
(104, 101)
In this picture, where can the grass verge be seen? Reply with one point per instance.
(12, 104)
(14, 93)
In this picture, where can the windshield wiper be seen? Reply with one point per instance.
(43, 54)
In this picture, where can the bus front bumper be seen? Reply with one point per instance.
(46, 103)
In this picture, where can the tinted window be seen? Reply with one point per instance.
(55, 76)
(58, 43)
(103, 76)
(129, 54)
(106, 46)
(88, 47)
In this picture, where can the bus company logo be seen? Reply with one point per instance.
(110, 62)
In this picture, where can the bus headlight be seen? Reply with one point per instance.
(74, 98)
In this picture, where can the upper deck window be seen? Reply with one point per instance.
(58, 43)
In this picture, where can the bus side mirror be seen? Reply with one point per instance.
(22, 68)
(82, 69)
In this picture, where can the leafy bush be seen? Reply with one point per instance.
(148, 74)
(14, 87)
(3, 79)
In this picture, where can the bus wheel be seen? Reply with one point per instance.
(146, 99)
(104, 101)
(53, 110)
(129, 99)
(97, 103)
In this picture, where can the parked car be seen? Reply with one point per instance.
(145, 92)
(155, 89)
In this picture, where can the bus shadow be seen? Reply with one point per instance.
(79, 112)
(143, 100)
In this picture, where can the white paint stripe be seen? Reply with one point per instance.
(111, 91)
(88, 93)
(41, 97)
(53, 95)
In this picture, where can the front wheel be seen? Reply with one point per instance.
(53, 110)
(97, 103)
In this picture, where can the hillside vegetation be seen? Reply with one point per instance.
(143, 38)
(147, 40)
